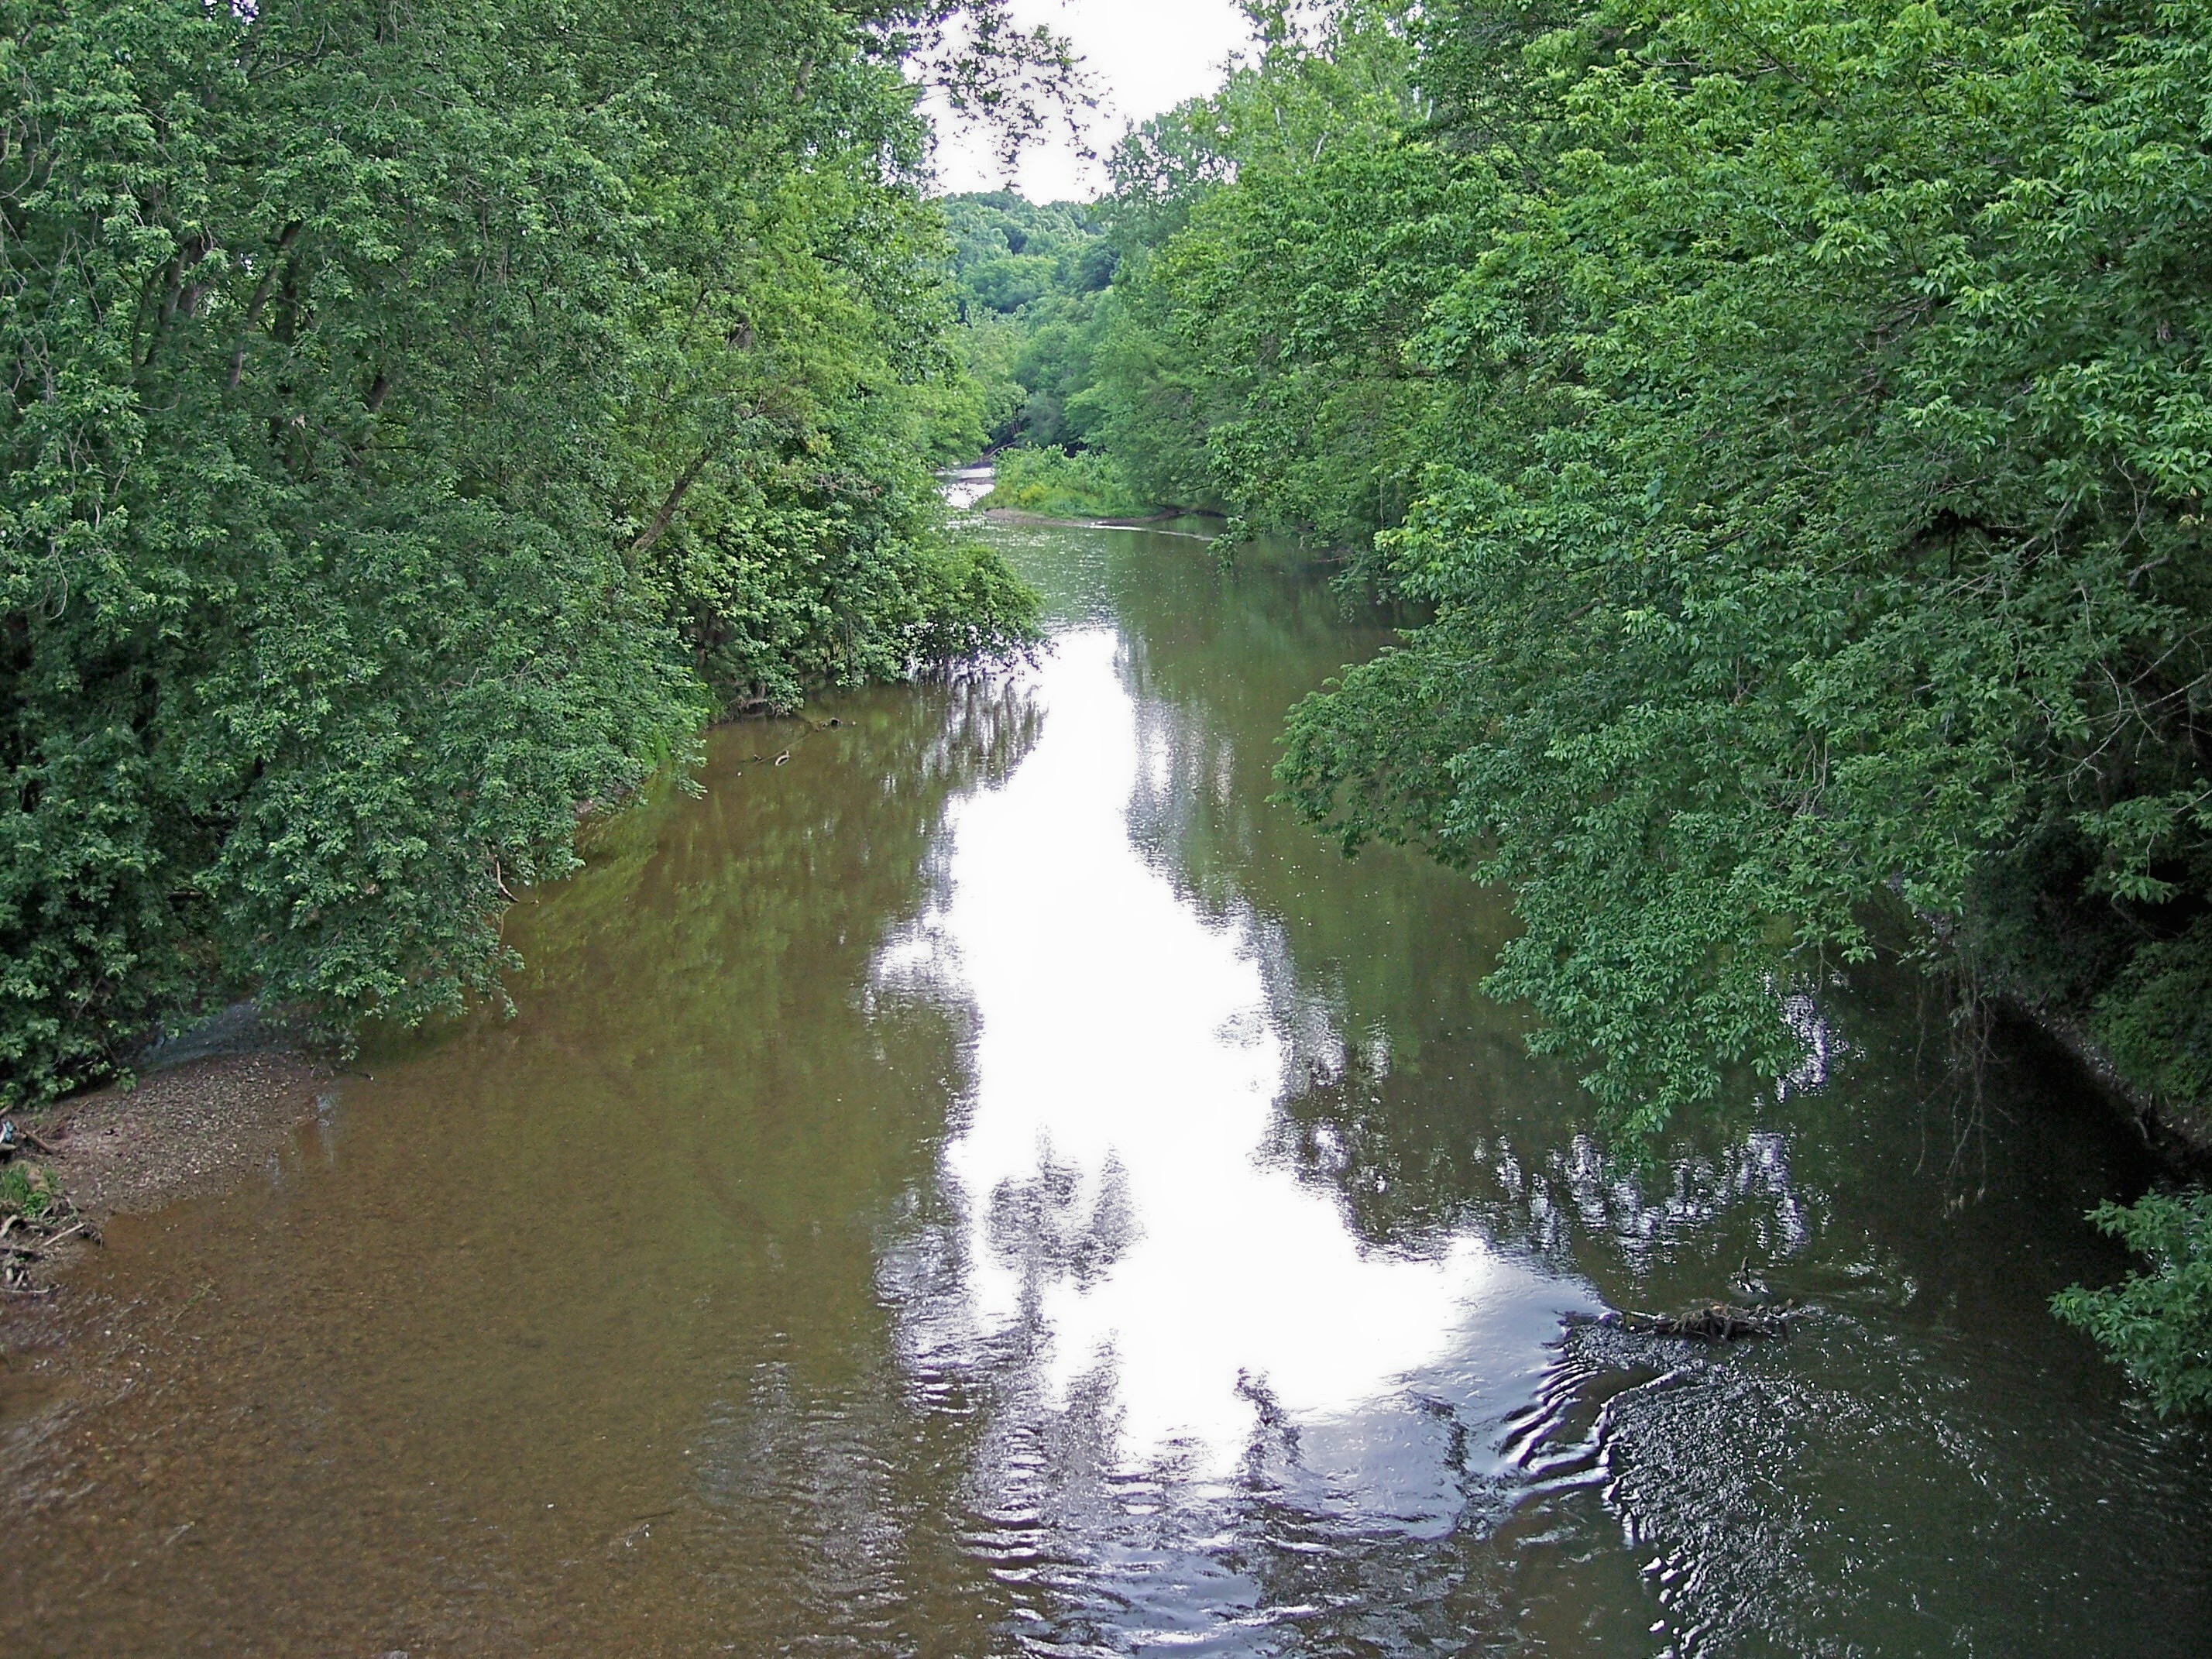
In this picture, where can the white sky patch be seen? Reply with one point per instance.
(1143, 56)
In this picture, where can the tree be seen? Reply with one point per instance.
(419, 423)
(1792, 417)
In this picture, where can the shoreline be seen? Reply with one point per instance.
(2181, 1138)
(1023, 515)
(193, 1127)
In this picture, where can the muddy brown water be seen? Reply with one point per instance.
(993, 1184)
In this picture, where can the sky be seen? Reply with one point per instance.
(1143, 56)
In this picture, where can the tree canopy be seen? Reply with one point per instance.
(421, 421)
(1791, 418)
(1029, 280)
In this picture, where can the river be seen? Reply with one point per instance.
(978, 1179)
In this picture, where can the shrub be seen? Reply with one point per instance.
(2157, 1324)
(1058, 485)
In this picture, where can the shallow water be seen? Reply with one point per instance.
(989, 1182)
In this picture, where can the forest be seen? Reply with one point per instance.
(1783, 425)
(1790, 423)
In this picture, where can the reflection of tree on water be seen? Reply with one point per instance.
(1158, 1326)
(694, 900)
(1419, 1157)
(1798, 1190)
(1049, 1227)
(1772, 1485)
(720, 964)
(1764, 1476)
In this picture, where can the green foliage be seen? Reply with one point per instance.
(1008, 253)
(1084, 485)
(1792, 418)
(2155, 1019)
(419, 423)
(1029, 280)
(2158, 1324)
(1148, 400)
(988, 346)
(1250, 353)
(27, 1190)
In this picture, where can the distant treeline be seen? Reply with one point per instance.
(1795, 416)
(422, 419)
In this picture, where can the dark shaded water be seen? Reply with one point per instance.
(990, 1184)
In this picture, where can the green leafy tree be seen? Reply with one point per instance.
(1028, 278)
(1792, 419)
(419, 423)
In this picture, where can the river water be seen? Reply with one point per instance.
(981, 1179)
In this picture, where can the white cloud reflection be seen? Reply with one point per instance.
(1108, 1167)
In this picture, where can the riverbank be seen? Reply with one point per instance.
(193, 1126)
(2181, 1137)
(1156, 523)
